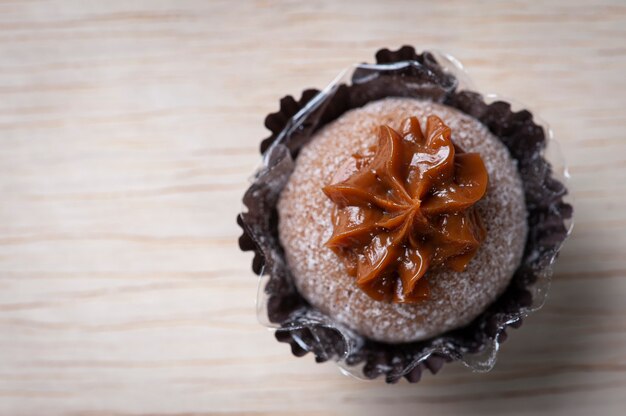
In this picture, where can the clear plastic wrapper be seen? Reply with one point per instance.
(432, 76)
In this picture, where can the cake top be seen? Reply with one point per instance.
(404, 206)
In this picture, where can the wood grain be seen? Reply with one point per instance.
(128, 130)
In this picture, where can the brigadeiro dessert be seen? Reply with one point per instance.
(401, 220)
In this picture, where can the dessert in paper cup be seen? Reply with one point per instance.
(400, 220)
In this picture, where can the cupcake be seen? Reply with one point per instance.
(400, 221)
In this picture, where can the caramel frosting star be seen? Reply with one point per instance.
(407, 206)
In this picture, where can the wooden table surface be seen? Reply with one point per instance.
(128, 132)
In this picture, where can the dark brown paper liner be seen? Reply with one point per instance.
(547, 216)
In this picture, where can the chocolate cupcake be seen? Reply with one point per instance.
(401, 221)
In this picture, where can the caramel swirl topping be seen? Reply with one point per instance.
(405, 206)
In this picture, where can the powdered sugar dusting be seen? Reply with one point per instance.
(456, 298)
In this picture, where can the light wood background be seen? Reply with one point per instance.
(128, 130)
